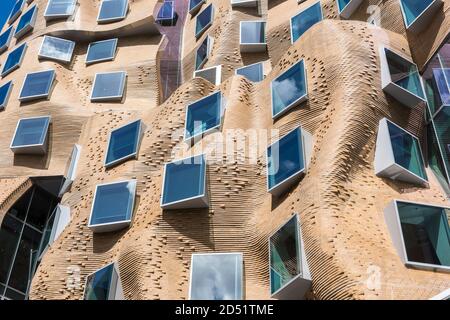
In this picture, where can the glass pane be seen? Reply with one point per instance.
(201, 54)
(414, 8)
(203, 20)
(15, 11)
(20, 208)
(342, 4)
(113, 9)
(56, 48)
(98, 284)
(9, 238)
(37, 84)
(60, 8)
(4, 92)
(14, 295)
(101, 50)
(216, 277)
(166, 11)
(41, 207)
(253, 32)
(109, 85)
(14, 59)
(253, 72)
(31, 131)
(25, 20)
(194, 3)
(5, 38)
(203, 115)
(305, 20)
(123, 142)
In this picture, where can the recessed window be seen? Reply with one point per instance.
(216, 276)
(244, 3)
(112, 11)
(347, 7)
(104, 284)
(60, 9)
(184, 184)
(204, 20)
(123, 143)
(204, 115)
(289, 89)
(26, 22)
(167, 12)
(101, 51)
(289, 273)
(212, 74)
(398, 155)
(252, 36)
(438, 89)
(287, 160)
(420, 233)
(16, 11)
(194, 6)
(417, 14)
(5, 39)
(31, 136)
(14, 60)
(5, 91)
(253, 72)
(56, 49)
(37, 85)
(112, 207)
(400, 78)
(108, 86)
(203, 52)
(304, 20)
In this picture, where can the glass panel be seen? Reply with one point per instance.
(9, 237)
(109, 85)
(285, 158)
(305, 20)
(113, 202)
(123, 142)
(426, 233)
(14, 295)
(5, 38)
(184, 179)
(194, 3)
(40, 209)
(47, 233)
(113, 9)
(435, 159)
(288, 88)
(253, 32)
(414, 8)
(25, 20)
(101, 50)
(216, 277)
(203, 115)
(14, 59)
(98, 284)
(203, 20)
(201, 54)
(31, 131)
(342, 4)
(15, 11)
(166, 11)
(442, 126)
(4, 93)
(56, 48)
(253, 72)
(37, 84)
(60, 8)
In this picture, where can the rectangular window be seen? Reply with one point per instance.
(16, 11)
(123, 143)
(204, 20)
(26, 22)
(5, 91)
(166, 12)
(203, 52)
(216, 276)
(104, 284)
(31, 135)
(56, 49)
(37, 85)
(212, 74)
(252, 36)
(253, 72)
(417, 14)
(5, 39)
(112, 11)
(112, 207)
(194, 6)
(59, 9)
(14, 60)
(347, 7)
(108, 86)
(301, 22)
(101, 51)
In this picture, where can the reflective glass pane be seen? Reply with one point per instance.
(15, 11)
(414, 8)
(60, 8)
(9, 238)
(194, 3)
(26, 20)
(31, 131)
(342, 4)
(252, 72)
(202, 54)
(37, 84)
(98, 284)
(305, 20)
(166, 11)
(123, 142)
(253, 32)
(204, 20)
(14, 59)
(113, 10)
(108, 86)
(5, 38)
(203, 115)
(4, 93)
(56, 48)
(101, 51)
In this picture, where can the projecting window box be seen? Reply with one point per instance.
(31, 135)
(108, 86)
(104, 284)
(418, 14)
(16, 11)
(14, 60)
(112, 11)
(253, 72)
(212, 74)
(304, 20)
(252, 36)
(60, 9)
(57, 49)
(204, 20)
(203, 52)
(37, 85)
(100, 51)
(347, 7)
(195, 5)
(5, 91)
(26, 22)
(5, 39)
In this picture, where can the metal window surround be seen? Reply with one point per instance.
(103, 55)
(49, 49)
(37, 147)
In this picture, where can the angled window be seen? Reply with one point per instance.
(37, 85)
(204, 115)
(104, 284)
(244, 3)
(253, 72)
(445, 295)
(212, 74)
(398, 155)
(31, 136)
(16, 11)
(289, 89)
(287, 160)
(204, 20)
(289, 273)
(420, 233)
(99, 51)
(400, 78)
(184, 184)
(112, 11)
(167, 12)
(14, 60)
(112, 207)
(304, 20)
(55, 225)
(108, 86)
(438, 89)
(252, 36)
(347, 7)
(56, 49)
(216, 276)
(59, 9)
(194, 6)
(123, 143)
(5, 91)
(203, 52)
(5, 39)
(417, 14)
(26, 22)
(71, 170)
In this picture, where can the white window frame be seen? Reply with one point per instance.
(38, 148)
(115, 289)
(250, 65)
(114, 19)
(87, 62)
(208, 25)
(5, 47)
(252, 47)
(301, 11)
(8, 93)
(38, 96)
(12, 19)
(18, 64)
(209, 46)
(109, 98)
(30, 25)
(43, 56)
(195, 9)
(71, 170)
(423, 19)
(49, 17)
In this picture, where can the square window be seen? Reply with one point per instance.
(398, 155)
(123, 143)
(400, 78)
(252, 36)
(216, 276)
(16, 11)
(31, 136)
(203, 116)
(113, 205)
(289, 89)
(420, 233)
(108, 86)
(56, 49)
(417, 14)
(304, 20)
(194, 6)
(101, 51)
(253, 72)
(287, 160)
(57, 9)
(204, 20)
(5, 91)
(112, 11)
(5, 39)
(14, 60)
(289, 273)
(184, 184)
(37, 85)
(104, 284)
(212, 74)
(26, 22)
(347, 7)
(166, 12)
(203, 52)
